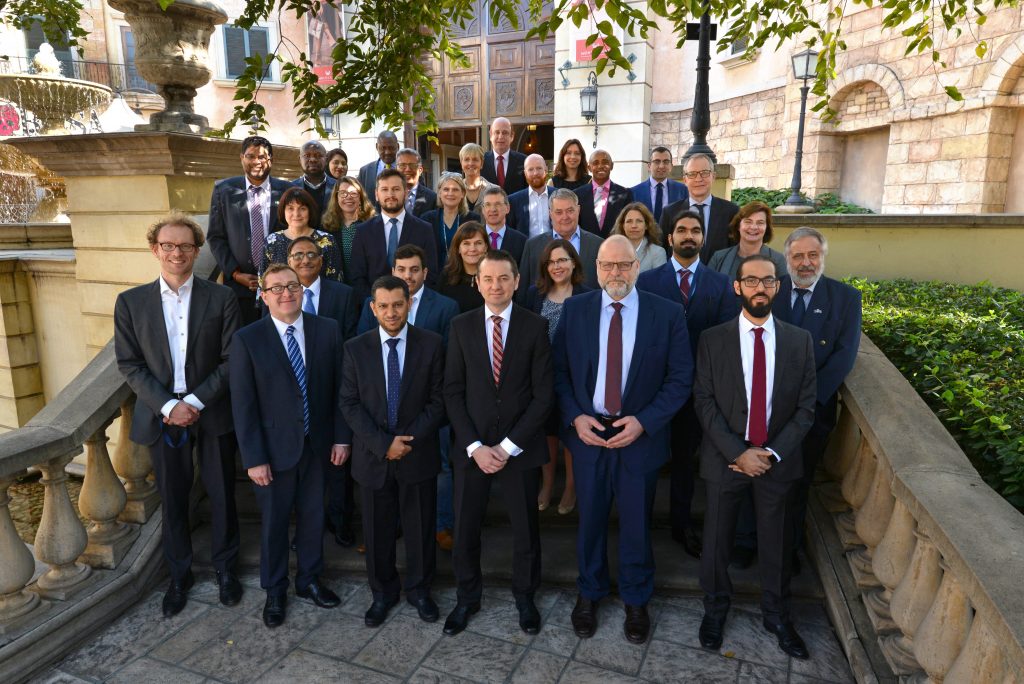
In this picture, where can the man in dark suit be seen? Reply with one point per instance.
(314, 179)
(503, 166)
(622, 370)
(387, 148)
(564, 207)
(659, 190)
(243, 211)
(529, 207)
(285, 377)
(377, 240)
(494, 209)
(498, 392)
(326, 297)
(709, 300)
(754, 396)
(391, 396)
(171, 341)
(699, 175)
(420, 199)
(601, 200)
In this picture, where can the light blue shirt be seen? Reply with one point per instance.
(807, 297)
(314, 287)
(630, 314)
(574, 239)
(501, 236)
(402, 335)
(654, 191)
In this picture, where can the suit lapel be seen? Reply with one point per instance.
(326, 299)
(412, 360)
(731, 344)
(512, 343)
(644, 325)
(593, 342)
(196, 313)
(483, 352)
(818, 310)
(157, 325)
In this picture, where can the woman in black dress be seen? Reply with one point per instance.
(452, 211)
(571, 169)
(458, 279)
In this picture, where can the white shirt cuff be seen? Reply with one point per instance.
(193, 400)
(166, 408)
(473, 447)
(778, 459)
(510, 447)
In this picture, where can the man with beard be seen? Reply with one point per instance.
(752, 437)
(243, 212)
(622, 370)
(528, 211)
(708, 300)
(377, 240)
(387, 149)
(314, 179)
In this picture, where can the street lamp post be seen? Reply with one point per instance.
(327, 121)
(700, 117)
(588, 102)
(804, 65)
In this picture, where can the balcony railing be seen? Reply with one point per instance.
(121, 78)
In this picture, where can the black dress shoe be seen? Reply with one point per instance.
(319, 594)
(377, 613)
(344, 536)
(529, 616)
(459, 617)
(230, 589)
(741, 557)
(584, 617)
(426, 608)
(789, 641)
(637, 624)
(690, 541)
(274, 610)
(177, 595)
(711, 633)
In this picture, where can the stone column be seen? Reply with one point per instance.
(16, 568)
(889, 562)
(981, 659)
(911, 601)
(60, 539)
(102, 499)
(21, 383)
(870, 524)
(132, 464)
(855, 488)
(944, 629)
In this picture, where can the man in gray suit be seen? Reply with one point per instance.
(564, 210)
(171, 341)
(387, 149)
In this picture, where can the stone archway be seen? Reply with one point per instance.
(880, 74)
(1006, 70)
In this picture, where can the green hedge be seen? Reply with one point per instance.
(825, 203)
(962, 348)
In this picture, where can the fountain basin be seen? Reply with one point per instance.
(53, 98)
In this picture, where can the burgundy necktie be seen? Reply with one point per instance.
(258, 241)
(501, 170)
(684, 285)
(613, 371)
(496, 348)
(494, 240)
(758, 427)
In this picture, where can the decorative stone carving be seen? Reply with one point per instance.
(855, 488)
(463, 98)
(102, 499)
(911, 600)
(16, 567)
(889, 562)
(172, 51)
(60, 539)
(870, 524)
(472, 27)
(133, 465)
(944, 629)
(981, 659)
(545, 95)
(506, 97)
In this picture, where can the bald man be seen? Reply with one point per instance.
(503, 166)
(528, 211)
(600, 199)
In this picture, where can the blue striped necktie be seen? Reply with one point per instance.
(295, 357)
(394, 382)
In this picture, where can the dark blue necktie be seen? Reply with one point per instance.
(392, 242)
(659, 201)
(295, 357)
(394, 382)
(307, 302)
(799, 306)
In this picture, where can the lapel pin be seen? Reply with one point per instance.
(817, 311)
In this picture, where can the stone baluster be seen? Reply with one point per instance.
(855, 488)
(889, 563)
(870, 523)
(911, 601)
(944, 629)
(60, 539)
(981, 658)
(844, 445)
(102, 499)
(16, 567)
(133, 465)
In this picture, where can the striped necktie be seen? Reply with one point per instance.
(299, 368)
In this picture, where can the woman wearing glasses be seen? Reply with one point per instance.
(452, 211)
(637, 223)
(347, 207)
(298, 210)
(750, 231)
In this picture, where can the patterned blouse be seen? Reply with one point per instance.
(277, 252)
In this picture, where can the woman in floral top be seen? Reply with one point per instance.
(298, 210)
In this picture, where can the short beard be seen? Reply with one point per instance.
(685, 251)
(616, 291)
(757, 310)
(806, 282)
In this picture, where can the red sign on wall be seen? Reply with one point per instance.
(584, 51)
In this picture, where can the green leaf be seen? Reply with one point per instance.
(954, 93)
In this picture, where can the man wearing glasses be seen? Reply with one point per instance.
(752, 444)
(420, 199)
(698, 177)
(622, 369)
(171, 339)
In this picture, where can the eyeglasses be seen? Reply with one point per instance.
(694, 175)
(184, 247)
(349, 194)
(751, 282)
(609, 266)
(408, 166)
(256, 158)
(299, 256)
(559, 262)
(292, 287)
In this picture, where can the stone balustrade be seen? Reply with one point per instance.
(934, 554)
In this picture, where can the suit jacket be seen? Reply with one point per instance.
(368, 179)
(720, 400)
(518, 407)
(370, 250)
(426, 200)
(727, 261)
(513, 242)
(266, 399)
(338, 301)
(364, 402)
(716, 233)
(676, 191)
(712, 299)
(435, 217)
(658, 384)
(229, 233)
(435, 313)
(144, 355)
(534, 300)
(619, 198)
(323, 195)
(833, 320)
(519, 210)
(514, 178)
(529, 265)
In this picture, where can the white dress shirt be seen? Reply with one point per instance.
(539, 218)
(298, 334)
(385, 349)
(314, 287)
(264, 200)
(630, 314)
(400, 217)
(414, 304)
(692, 268)
(506, 316)
(176, 306)
(705, 211)
(747, 355)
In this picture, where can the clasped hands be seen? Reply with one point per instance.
(490, 459)
(262, 476)
(753, 462)
(182, 415)
(586, 426)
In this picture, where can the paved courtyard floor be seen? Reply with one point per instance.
(209, 643)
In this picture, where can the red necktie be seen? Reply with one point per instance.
(494, 240)
(758, 426)
(496, 348)
(501, 170)
(613, 370)
(684, 285)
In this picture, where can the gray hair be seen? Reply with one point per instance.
(563, 194)
(408, 151)
(496, 190)
(452, 177)
(806, 231)
(700, 155)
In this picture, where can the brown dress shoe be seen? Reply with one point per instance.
(445, 539)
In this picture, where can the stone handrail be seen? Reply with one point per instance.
(936, 555)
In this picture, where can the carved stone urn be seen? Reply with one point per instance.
(172, 52)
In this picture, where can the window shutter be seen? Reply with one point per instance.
(259, 44)
(234, 51)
